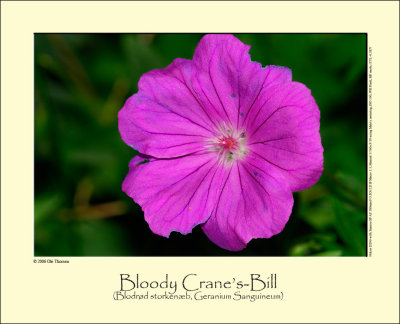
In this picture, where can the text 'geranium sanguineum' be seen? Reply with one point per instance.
(226, 142)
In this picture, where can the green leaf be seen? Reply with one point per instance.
(46, 205)
(348, 228)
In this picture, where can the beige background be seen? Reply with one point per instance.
(316, 289)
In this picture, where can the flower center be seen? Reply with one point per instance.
(227, 142)
(230, 145)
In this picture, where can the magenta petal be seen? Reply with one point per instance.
(164, 118)
(175, 194)
(284, 132)
(277, 75)
(252, 204)
(227, 81)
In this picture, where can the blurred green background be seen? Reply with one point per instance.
(83, 80)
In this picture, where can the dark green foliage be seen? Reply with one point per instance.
(81, 82)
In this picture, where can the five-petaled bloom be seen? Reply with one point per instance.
(227, 142)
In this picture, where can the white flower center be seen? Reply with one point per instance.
(230, 146)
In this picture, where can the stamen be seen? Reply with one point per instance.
(230, 145)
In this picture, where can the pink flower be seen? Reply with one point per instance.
(227, 143)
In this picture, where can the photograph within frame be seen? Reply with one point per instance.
(83, 80)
